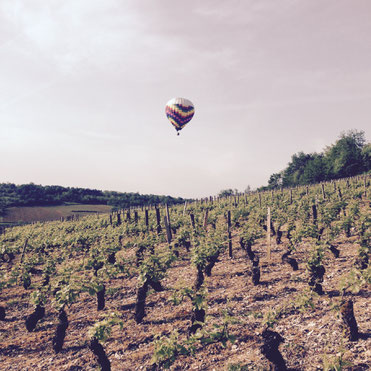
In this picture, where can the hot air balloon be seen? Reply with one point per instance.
(179, 111)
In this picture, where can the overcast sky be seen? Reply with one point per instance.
(84, 83)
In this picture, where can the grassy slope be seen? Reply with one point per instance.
(44, 213)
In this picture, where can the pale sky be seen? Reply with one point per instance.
(84, 83)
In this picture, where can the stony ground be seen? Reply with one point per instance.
(313, 336)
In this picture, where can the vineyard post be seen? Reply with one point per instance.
(323, 191)
(185, 208)
(193, 220)
(260, 199)
(229, 234)
(128, 216)
(205, 218)
(269, 233)
(24, 249)
(168, 220)
(290, 196)
(314, 209)
(339, 193)
(168, 231)
(158, 217)
(146, 217)
(118, 218)
(136, 216)
(365, 185)
(306, 190)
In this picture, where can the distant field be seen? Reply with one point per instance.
(45, 213)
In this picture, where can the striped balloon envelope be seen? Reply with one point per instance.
(179, 112)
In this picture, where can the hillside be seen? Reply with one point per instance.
(29, 214)
(65, 265)
(12, 195)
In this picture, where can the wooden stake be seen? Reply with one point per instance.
(229, 224)
(269, 233)
(158, 217)
(193, 220)
(314, 209)
(365, 185)
(340, 195)
(185, 208)
(205, 218)
(24, 249)
(168, 220)
(168, 231)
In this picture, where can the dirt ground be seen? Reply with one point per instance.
(313, 337)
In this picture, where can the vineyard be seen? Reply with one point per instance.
(271, 280)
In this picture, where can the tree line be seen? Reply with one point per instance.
(350, 155)
(37, 195)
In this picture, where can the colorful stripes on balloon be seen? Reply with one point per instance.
(179, 111)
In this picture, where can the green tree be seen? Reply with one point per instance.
(293, 174)
(275, 181)
(315, 170)
(366, 157)
(345, 157)
(226, 192)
